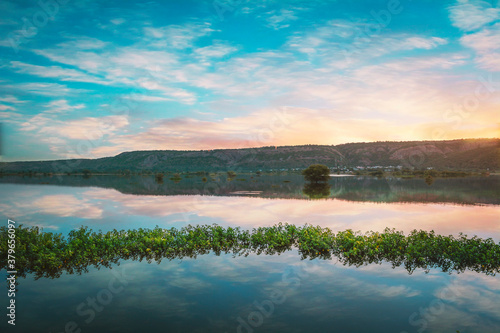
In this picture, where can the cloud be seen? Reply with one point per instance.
(61, 106)
(6, 107)
(84, 43)
(44, 89)
(65, 205)
(11, 99)
(10, 117)
(118, 21)
(83, 59)
(56, 125)
(470, 15)
(148, 98)
(63, 74)
(49, 116)
(215, 51)
(88, 128)
(177, 36)
(280, 19)
(486, 44)
(477, 298)
(127, 66)
(345, 42)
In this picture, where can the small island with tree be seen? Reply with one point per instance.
(316, 173)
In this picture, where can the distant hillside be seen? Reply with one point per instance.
(474, 154)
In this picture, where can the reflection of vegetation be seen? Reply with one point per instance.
(429, 180)
(231, 174)
(159, 178)
(317, 190)
(477, 190)
(86, 173)
(316, 173)
(49, 254)
(378, 173)
(176, 178)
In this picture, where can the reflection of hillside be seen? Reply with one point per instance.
(470, 190)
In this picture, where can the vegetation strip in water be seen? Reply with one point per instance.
(47, 254)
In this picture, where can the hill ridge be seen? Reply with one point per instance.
(464, 154)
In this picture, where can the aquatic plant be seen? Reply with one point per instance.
(47, 254)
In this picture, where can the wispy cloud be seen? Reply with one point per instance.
(6, 107)
(486, 43)
(118, 21)
(215, 51)
(11, 99)
(280, 19)
(45, 89)
(61, 106)
(63, 74)
(84, 43)
(132, 66)
(67, 205)
(470, 15)
(345, 41)
(177, 36)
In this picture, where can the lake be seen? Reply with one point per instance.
(257, 293)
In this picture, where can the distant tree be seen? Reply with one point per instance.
(231, 174)
(316, 173)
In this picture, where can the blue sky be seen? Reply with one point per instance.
(95, 78)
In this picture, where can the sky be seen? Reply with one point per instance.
(89, 79)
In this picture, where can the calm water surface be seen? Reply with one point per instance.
(262, 293)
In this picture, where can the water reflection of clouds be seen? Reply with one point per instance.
(112, 208)
(221, 288)
(182, 289)
(478, 297)
(337, 215)
(65, 205)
